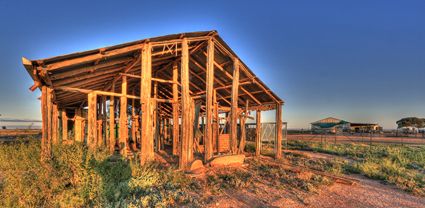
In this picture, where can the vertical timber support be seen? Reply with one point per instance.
(243, 129)
(133, 122)
(147, 153)
(208, 137)
(46, 151)
(193, 125)
(64, 125)
(91, 121)
(99, 142)
(104, 122)
(258, 134)
(216, 124)
(78, 127)
(186, 107)
(176, 125)
(234, 108)
(156, 119)
(278, 142)
(55, 124)
(123, 135)
(49, 116)
(112, 141)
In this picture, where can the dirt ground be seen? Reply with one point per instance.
(365, 193)
(357, 139)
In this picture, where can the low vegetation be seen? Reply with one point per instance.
(76, 177)
(403, 166)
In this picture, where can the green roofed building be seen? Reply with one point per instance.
(330, 125)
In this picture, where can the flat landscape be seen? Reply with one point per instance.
(311, 174)
(365, 139)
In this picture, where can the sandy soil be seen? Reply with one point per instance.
(365, 193)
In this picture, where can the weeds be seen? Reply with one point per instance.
(403, 166)
(78, 178)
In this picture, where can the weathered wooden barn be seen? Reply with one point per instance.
(188, 91)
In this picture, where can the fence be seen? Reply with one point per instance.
(369, 138)
(268, 132)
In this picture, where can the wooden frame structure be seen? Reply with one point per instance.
(147, 86)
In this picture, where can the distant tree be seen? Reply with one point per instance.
(411, 121)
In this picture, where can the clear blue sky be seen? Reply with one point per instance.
(357, 60)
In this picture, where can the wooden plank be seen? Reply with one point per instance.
(55, 124)
(90, 58)
(216, 123)
(133, 123)
(278, 141)
(153, 79)
(176, 125)
(64, 125)
(45, 149)
(155, 118)
(194, 118)
(186, 107)
(91, 121)
(112, 141)
(98, 92)
(49, 116)
(78, 126)
(104, 121)
(258, 134)
(102, 66)
(123, 128)
(147, 146)
(234, 108)
(99, 133)
(86, 76)
(243, 129)
(209, 103)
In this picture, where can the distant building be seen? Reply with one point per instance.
(408, 130)
(364, 127)
(335, 125)
(330, 125)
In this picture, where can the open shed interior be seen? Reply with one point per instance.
(187, 91)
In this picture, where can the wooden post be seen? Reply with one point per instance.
(78, 127)
(45, 149)
(146, 153)
(99, 133)
(64, 125)
(165, 136)
(192, 127)
(104, 124)
(278, 142)
(123, 135)
(186, 107)
(234, 108)
(176, 125)
(258, 134)
(112, 141)
(55, 122)
(216, 124)
(208, 137)
(156, 121)
(243, 130)
(133, 122)
(49, 116)
(91, 121)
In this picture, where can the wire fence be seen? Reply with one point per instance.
(384, 137)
